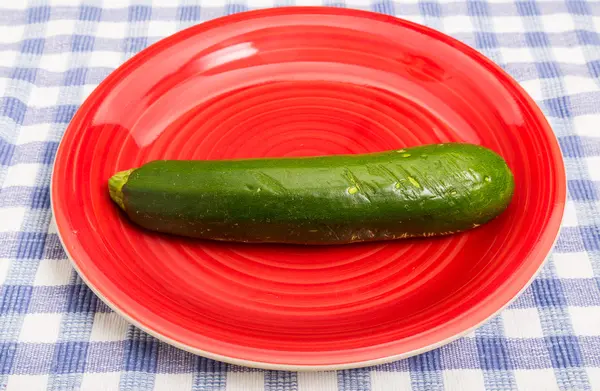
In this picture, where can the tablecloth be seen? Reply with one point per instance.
(55, 334)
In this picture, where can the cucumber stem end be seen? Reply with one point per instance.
(115, 186)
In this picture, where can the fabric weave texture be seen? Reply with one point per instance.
(55, 334)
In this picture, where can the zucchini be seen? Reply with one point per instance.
(421, 191)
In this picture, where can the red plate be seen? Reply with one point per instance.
(305, 81)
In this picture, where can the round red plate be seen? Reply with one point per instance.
(305, 81)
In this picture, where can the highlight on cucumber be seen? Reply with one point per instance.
(423, 191)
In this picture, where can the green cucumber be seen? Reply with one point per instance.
(421, 191)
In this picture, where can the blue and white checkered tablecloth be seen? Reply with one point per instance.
(55, 334)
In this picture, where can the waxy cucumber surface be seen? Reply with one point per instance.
(421, 191)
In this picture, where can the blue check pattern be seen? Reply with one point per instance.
(55, 334)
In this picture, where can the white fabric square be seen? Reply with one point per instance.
(536, 379)
(569, 55)
(87, 90)
(508, 24)
(557, 23)
(53, 272)
(533, 88)
(33, 133)
(322, 381)
(108, 327)
(104, 381)
(522, 323)
(570, 213)
(594, 377)
(308, 2)
(55, 62)
(162, 3)
(579, 85)
(24, 174)
(40, 328)
(11, 219)
(8, 58)
(587, 125)
(44, 96)
(245, 381)
(461, 379)
(27, 382)
(173, 381)
(596, 20)
(11, 34)
(4, 268)
(593, 164)
(215, 3)
(60, 3)
(368, 3)
(105, 59)
(117, 30)
(573, 265)
(457, 24)
(516, 55)
(260, 3)
(15, 5)
(118, 4)
(390, 381)
(585, 320)
(415, 18)
(63, 26)
(4, 82)
(161, 28)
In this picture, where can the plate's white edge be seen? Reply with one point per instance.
(284, 367)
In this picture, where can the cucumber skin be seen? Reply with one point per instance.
(421, 191)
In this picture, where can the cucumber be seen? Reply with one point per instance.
(421, 191)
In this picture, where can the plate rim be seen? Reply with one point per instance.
(307, 10)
